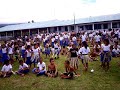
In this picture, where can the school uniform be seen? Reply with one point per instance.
(84, 51)
(105, 54)
(47, 51)
(4, 54)
(22, 69)
(23, 51)
(36, 55)
(28, 57)
(7, 69)
(40, 67)
(61, 41)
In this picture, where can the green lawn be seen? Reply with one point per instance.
(99, 80)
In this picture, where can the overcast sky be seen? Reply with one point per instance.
(44, 10)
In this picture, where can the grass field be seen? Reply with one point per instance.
(99, 80)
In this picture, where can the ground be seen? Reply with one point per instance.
(99, 80)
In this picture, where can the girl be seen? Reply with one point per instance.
(69, 74)
(28, 53)
(52, 69)
(47, 51)
(23, 68)
(10, 52)
(105, 54)
(6, 69)
(23, 51)
(85, 50)
(36, 54)
(4, 53)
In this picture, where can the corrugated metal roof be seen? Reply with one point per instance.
(54, 23)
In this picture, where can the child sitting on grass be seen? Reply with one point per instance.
(69, 74)
(52, 69)
(6, 69)
(41, 68)
(23, 68)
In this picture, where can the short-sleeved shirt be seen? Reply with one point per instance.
(41, 66)
(84, 50)
(23, 66)
(73, 52)
(6, 68)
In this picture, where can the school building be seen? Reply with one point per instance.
(91, 23)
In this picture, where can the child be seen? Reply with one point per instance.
(73, 57)
(10, 52)
(105, 54)
(52, 69)
(41, 68)
(4, 53)
(36, 54)
(47, 51)
(28, 53)
(23, 51)
(6, 69)
(85, 50)
(69, 74)
(23, 68)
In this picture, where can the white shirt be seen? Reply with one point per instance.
(28, 53)
(23, 48)
(83, 38)
(97, 38)
(61, 38)
(28, 43)
(117, 51)
(74, 39)
(41, 66)
(105, 48)
(4, 50)
(10, 50)
(23, 66)
(6, 68)
(36, 51)
(53, 39)
(56, 37)
(83, 50)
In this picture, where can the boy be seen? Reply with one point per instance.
(52, 69)
(69, 74)
(23, 68)
(41, 68)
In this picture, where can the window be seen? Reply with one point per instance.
(88, 27)
(105, 26)
(71, 27)
(97, 26)
(114, 25)
(66, 28)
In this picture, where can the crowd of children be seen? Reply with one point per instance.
(83, 46)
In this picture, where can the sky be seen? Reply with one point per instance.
(19, 11)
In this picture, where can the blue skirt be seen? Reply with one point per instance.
(28, 61)
(23, 53)
(105, 56)
(4, 57)
(61, 43)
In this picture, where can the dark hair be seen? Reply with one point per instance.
(85, 44)
(21, 61)
(6, 62)
(51, 59)
(107, 41)
(67, 62)
(28, 47)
